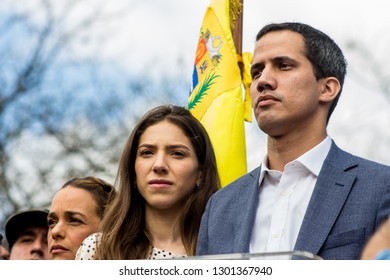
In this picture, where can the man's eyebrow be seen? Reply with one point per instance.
(276, 59)
(257, 66)
(27, 232)
(282, 58)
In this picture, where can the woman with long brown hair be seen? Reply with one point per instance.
(166, 175)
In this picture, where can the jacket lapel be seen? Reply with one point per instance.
(330, 193)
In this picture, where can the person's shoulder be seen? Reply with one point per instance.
(93, 238)
(340, 156)
(247, 178)
(88, 247)
(246, 181)
(370, 164)
(373, 164)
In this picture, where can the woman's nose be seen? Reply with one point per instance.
(57, 230)
(160, 164)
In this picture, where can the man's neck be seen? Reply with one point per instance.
(282, 150)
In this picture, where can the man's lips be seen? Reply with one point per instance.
(265, 100)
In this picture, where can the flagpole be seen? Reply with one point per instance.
(237, 32)
(237, 37)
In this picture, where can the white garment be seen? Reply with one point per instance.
(283, 200)
(88, 248)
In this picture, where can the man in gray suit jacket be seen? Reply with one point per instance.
(308, 194)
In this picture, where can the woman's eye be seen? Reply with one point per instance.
(75, 221)
(178, 153)
(146, 153)
(51, 223)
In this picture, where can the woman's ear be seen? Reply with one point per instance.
(330, 89)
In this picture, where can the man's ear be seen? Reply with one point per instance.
(330, 89)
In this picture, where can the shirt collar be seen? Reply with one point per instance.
(312, 159)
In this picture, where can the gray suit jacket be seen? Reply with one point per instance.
(350, 200)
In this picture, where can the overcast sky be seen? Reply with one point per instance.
(164, 29)
(159, 32)
(158, 35)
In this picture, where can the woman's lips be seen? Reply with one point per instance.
(160, 184)
(57, 249)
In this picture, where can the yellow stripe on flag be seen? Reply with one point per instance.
(216, 99)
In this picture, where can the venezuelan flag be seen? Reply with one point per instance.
(216, 97)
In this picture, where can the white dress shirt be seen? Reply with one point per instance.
(283, 200)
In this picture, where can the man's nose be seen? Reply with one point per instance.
(266, 80)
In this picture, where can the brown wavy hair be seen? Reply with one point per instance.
(124, 234)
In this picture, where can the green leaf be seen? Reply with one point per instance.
(208, 82)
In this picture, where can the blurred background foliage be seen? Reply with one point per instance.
(67, 107)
